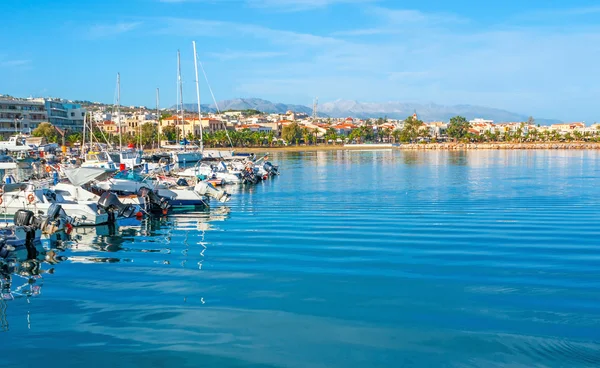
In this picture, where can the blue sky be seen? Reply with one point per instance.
(533, 57)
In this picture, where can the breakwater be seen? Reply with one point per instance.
(502, 146)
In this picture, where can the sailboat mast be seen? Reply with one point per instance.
(198, 97)
(157, 116)
(180, 95)
(84, 129)
(119, 110)
(91, 134)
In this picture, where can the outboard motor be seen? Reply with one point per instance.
(153, 202)
(56, 220)
(182, 182)
(23, 218)
(270, 168)
(249, 176)
(111, 204)
(209, 190)
(114, 207)
(26, 219)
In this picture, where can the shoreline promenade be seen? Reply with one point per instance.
(426, 147)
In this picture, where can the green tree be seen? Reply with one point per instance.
(170, 133)
(73, 138)
(458, 128)
(291, 133)
(46, 130)
(331, 135)
(306, 135)
(412, 129)
(149, 133)
(397, 134)
(386, 132)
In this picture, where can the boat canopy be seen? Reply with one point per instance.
(97, 156)
(84, 175)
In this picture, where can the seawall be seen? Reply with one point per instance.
(502, 146)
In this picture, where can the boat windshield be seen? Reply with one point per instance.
(129, 175)
(97, 156)
(128, 155)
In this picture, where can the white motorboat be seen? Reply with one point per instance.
(175, 196)
(108, 201)
(99, 160)
(16, 144)
(27, 228)
(184, 157)
(130, 158)
(17, 197)
(201, 187)
(215, 171)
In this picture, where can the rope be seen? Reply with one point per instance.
(215, 101)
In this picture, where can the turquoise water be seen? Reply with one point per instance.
(348, 259)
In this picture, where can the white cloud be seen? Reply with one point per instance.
(4, 63)
(110, 30)
(416, 56)
(279, 5)
(245, 55)
(299, 5)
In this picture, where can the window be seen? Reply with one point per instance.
(72, 114)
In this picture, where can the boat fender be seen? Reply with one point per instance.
(30, 198)
(48, 169)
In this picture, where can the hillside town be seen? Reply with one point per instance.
(255, 128)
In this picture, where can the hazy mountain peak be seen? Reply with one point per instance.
(392, 109)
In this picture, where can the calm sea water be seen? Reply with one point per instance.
(348, 259)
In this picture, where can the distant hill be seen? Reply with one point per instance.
(250, 103)
(393, 110)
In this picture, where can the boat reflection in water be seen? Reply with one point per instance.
(150, 240)
(21, 274)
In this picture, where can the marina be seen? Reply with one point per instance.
(392, 254)
(299, 184)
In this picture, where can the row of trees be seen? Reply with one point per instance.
(413, 131)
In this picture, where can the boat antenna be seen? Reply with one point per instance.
(215, 101)
(198, 97)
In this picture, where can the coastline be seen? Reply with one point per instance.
(426, 147)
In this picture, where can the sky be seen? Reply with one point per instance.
(534, 57)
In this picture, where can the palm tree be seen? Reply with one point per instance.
(386, 132)
(396, 134)
(306, 135)
(270, 138)
(316, 135)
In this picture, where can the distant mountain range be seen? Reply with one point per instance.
(393, 110)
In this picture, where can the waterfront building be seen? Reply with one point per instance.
(254, 128)
(568, 127)
(192, 125)
(437, 128)
(481, 121)
(65, 115)
(20, 115)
